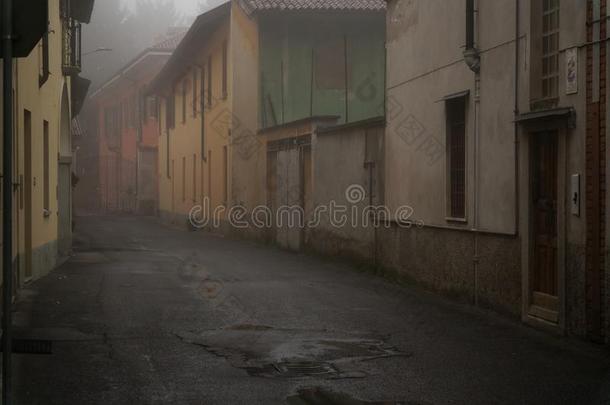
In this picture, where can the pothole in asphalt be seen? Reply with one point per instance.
(268, 352)
(322, 396)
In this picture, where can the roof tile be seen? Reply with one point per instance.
(296, 5)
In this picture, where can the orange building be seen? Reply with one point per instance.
(124, 154)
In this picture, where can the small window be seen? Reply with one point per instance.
(152, 110)
(225, 170)
(195, 92)
(46, 168)
(210, 175)
(225, 69)
(330, 65)
(183, 178)
(550, 48)
(456, 159)
(184, 90)
(44, 60)
(209, 93)
(133, 111)
(167, 154)
(194, 177)
(202, 91)
(170, 113)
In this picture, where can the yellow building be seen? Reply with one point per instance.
(47, 94)
(245, 72)
(200, 115)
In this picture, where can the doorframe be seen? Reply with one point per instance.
(27, 195)
(527, 228)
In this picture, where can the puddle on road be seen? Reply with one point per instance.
(267, 352)
(321, 396)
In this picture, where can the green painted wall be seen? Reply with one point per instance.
(321, 65)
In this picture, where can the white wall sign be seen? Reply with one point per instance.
(572, 71)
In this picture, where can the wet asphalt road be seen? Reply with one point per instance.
(144, 314)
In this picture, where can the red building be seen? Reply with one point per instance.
(118, 153)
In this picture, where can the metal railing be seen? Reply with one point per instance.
(71, 52)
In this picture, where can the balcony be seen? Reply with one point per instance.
(71, 49)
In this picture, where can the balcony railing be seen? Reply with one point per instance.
(71, 62)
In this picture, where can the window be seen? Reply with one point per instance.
(210, 175)
(194, 177)
(44, 60)
(330, 67)
(46, 168)
(225, 173)
(133, 111)
(167, 168)
(456, 159)
(183, 178)
(184, 85)
(209, 93)
(151, 108)
(202, 91)
(194, 92)
(225, 69)
(550, 48)
(170, 112)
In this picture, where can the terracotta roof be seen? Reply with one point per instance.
(325, 5)
(170, 43)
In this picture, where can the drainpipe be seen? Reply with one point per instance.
(516, 128)
(473, 61)
(475, 259)
(7, 198)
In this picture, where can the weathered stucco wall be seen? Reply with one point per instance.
(247, 147)
(426, 66)
(186, 177)
(347, 160)
(36, 231)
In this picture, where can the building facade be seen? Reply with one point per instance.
(243, 76)
(196, 100)
(47, 95)
(125, 137)
(496, 137)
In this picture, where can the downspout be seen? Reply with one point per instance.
(7, 199)
(473, 61)
(475, 259)
(516, 128)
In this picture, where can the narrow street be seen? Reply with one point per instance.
(145, 314)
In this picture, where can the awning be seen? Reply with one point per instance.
(30, 22)
(567, 114)
(81, 10)
(80, 87)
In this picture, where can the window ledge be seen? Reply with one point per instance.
(456, 220)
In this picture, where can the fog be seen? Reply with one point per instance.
(120, 29)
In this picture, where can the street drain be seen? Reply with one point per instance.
(32, 346)
(306, 369)
(294, 369)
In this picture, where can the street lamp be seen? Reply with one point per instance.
(101, 49)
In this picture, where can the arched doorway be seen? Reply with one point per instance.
(64, 173)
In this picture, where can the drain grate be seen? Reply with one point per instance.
(294, 369)
(32, 346)
(305, 369)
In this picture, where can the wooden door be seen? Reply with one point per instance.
(544, 280)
